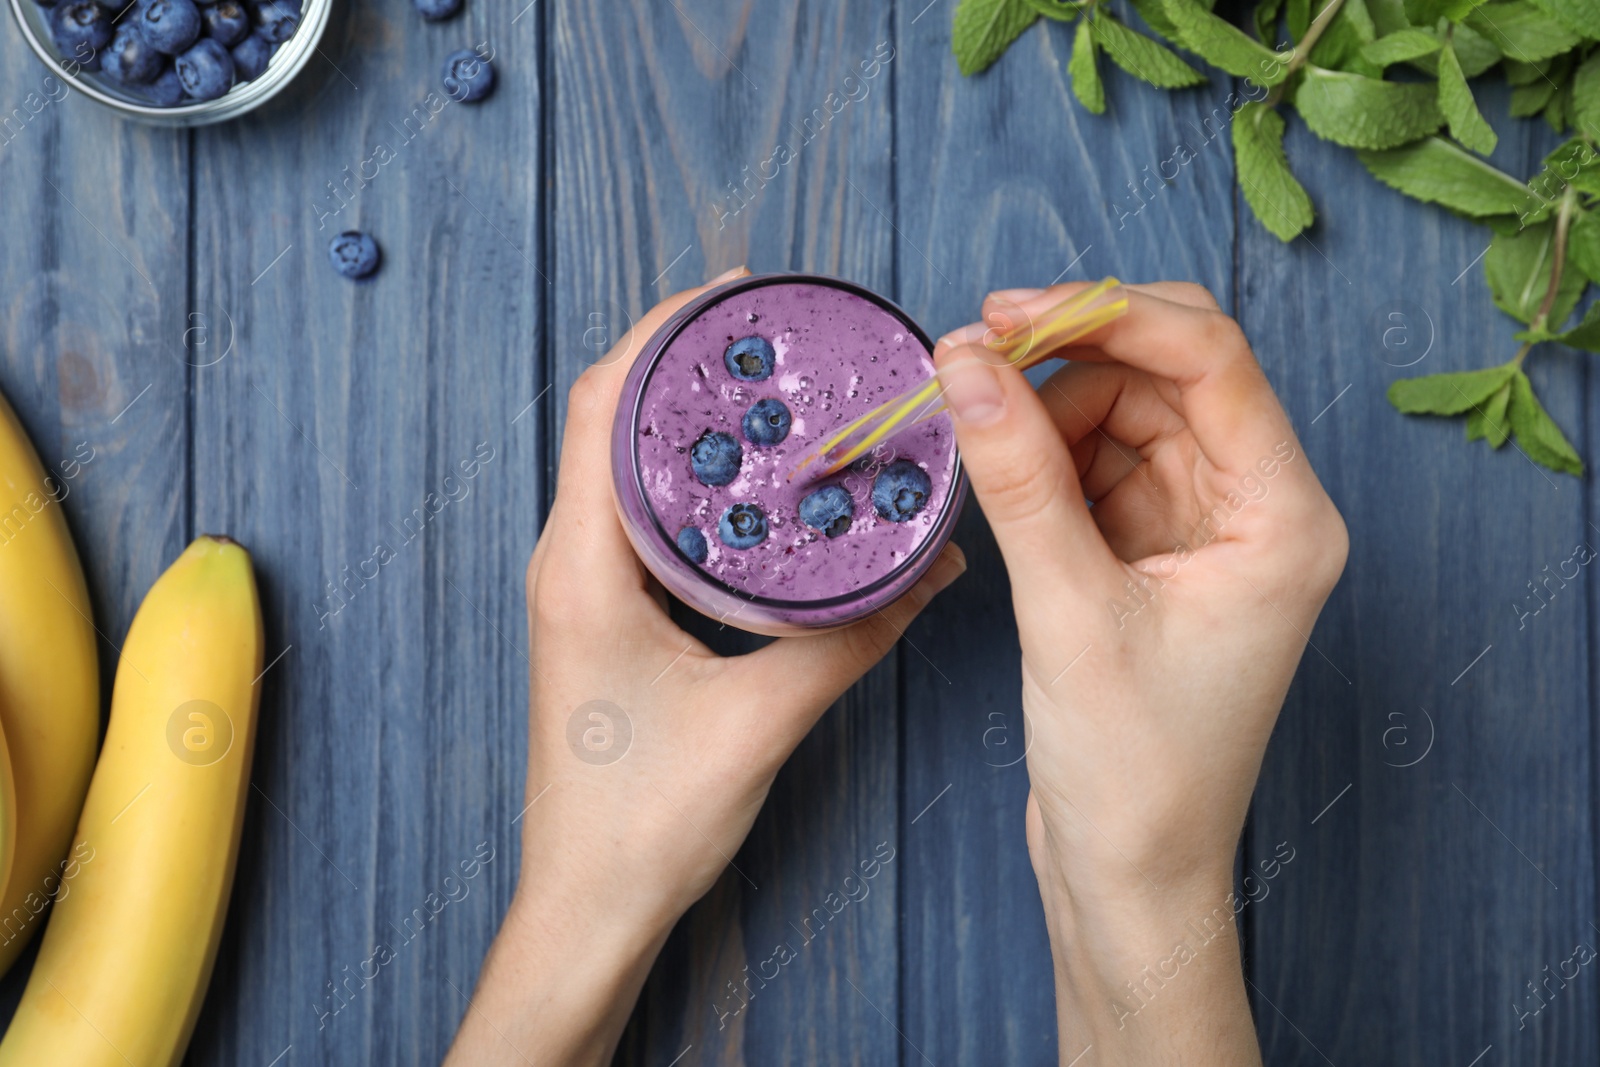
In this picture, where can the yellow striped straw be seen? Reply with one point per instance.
(1023, 344)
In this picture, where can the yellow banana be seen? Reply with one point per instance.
(49, 681)
(128, 952)
(8, 812)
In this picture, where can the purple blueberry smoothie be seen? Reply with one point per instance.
(721, 404)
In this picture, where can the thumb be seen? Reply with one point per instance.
(817, 669)
(1019, 467)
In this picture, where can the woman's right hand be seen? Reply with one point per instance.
(1160, 628)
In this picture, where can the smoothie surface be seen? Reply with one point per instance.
(837, 355)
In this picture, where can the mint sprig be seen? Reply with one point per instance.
(1423, 138)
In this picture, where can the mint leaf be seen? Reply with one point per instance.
(1556, 111)
(1399, 47)
(1575, 164)
(1518, 267)
(1519, 73)
(1145, 59)
(1156, 18)
(1476, 52)
(1265, 19)
(1270, 188)
(1585, 335)
(1537, 433)
(1488, 420)
(1529, 100)
(1448, 394)
(1297, 15)
(1467, 123)
(1521, 31)
(1222, 44)
(1086, 85)
(1586, 95)
(1583, 245)
(1439, 172)
(1389, 16)
(1056, 9)
(1428, 12)
(1579, 16)
(1340, 45)
(1362, 112)
(983, 29)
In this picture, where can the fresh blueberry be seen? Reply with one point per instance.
(206, 70)
(692, 543)
(276, 20)
(900, 490)
(715, 458)
(829, 509)
(468, 77)
(750, 359)
(767, 422)
(354, 254)
(81, 29)
(250, 57)
(742, 526)
(436, 10)
(227, 23)
(166, 90)
(129, 59)
(169, 26)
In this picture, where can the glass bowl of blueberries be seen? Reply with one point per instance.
(175, 62)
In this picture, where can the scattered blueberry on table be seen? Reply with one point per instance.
(437, 10)
(715, 458)
(354, 254)
(767, 422)
(829, 509)
(750, 359)
(692, 543)
(742, 526)
(468, 77)
(900, 490)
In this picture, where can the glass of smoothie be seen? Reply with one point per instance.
(718, 408)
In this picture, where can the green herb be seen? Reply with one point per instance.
(1423, 138)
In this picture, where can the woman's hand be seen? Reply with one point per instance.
(648, 754)
(1160, 629)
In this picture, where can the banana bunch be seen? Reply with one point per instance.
(140, 898)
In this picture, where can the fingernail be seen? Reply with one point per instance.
(728, 275)
(1016, 295)
(972, 388)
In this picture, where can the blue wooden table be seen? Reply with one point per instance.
(166, 300)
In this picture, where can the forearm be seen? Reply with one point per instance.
(1150, 976)
(560, 980)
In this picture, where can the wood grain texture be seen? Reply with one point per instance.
(1424, 899)
(1006, 181)
(371, 443)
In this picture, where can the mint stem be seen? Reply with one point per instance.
(1303, 47)
(1558, 263)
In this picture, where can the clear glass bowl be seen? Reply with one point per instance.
(291, 56)
(821, 591)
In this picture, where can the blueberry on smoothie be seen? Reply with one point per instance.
(276, 20)
(750, 359)
(900, 490)
(715, 458)
(829, 509)
(353, 254)
(436, 10)
(468, 77)
(742, 526)
(129, 59)
(250, 57)
(692, 543)
(227, 23)
(206, 70)
(81, 29)
(767, 422)
(169, 26)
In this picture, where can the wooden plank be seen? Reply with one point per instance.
(332, 443)
(1425, 897)
(662, 111)
(92, 352)
(1016, 186)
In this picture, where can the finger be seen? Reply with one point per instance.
(1020, 471)
(1223, 394)
(583, 502)
(816, 670)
